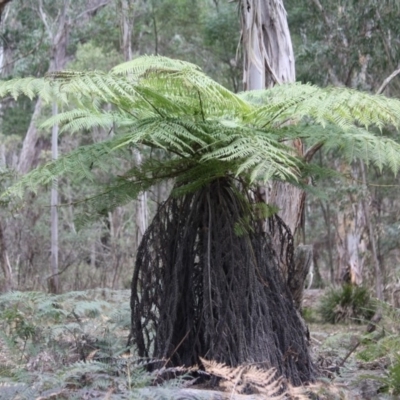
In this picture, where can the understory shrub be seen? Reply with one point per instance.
(384, 350)
(347, 304)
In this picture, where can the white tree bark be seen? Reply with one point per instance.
(350, 244)
(54, 281)
(27, 156)
(141, 217)
(59, 41)
(268, 51)
(3, 4)
(4, 262)
(269, 60)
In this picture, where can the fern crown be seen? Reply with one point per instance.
(202, 130)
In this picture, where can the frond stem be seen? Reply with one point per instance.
(152, 146)
(201, 106)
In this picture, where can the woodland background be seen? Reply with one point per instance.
(344, 43)
(72, 341)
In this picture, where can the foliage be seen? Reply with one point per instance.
(207, 131)
(67, 345)
(76, 346)
(352, 44)
(384, 349)
(347, 303)
(308, 315)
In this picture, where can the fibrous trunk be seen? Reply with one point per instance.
(207, 284)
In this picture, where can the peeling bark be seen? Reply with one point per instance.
(141, 216)
(269, 60)
(4, 262)
(350, 228)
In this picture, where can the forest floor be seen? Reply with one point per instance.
(336, 350)
(72, 346)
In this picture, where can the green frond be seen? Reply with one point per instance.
(29, 87)
(182, 81)
(143, 64)
(255, 153)
(107, 199)
(338, 106)
(79, 119)
(80, 164)
(353, 143)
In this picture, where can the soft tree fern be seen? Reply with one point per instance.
(207, 281)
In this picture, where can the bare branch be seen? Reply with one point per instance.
(322, 10)
(93, 9)
(387, 81)
(43, 17)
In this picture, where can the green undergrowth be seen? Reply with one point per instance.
(382, 350)
(69, 346)
(347, 303)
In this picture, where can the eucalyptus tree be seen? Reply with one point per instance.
(206, 281)
(268, 61)
(54, 20)
(127, 20)
(351, 44)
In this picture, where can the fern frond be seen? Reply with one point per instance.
(237, 379)
(341, 107)
(143, 64)
(257, 154)
(30, 87)
(182, 80)
(79, 119)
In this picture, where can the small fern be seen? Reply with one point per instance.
(383, 350)
(52, 343)
(347, 303)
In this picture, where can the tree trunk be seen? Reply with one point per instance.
(269, 60)
(28, 152)
(59, 41)
(201, 290)
(141, 202)
(3, 4)
(53, 280)
(4, 262)
(368, 221)
(350, 231)
(268, 51)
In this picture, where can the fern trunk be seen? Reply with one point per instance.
(207, 284)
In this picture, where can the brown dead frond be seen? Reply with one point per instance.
(248, 379)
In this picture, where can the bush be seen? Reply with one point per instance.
(348, 303)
